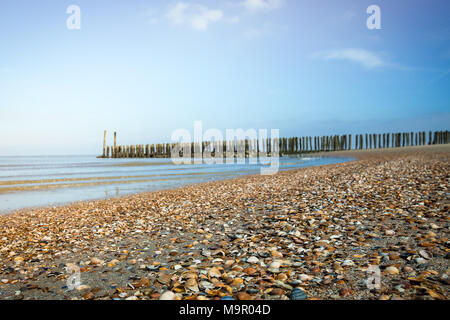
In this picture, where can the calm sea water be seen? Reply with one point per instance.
(53, 180)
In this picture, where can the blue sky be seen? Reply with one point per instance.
(146, 68)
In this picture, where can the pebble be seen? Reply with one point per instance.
(164, 278)
(283, 285)
(250, 271)
(274, 267)
(391, 270)
(408, 269)
(244, 296)
(191, 284)
(344, 292)
(420, 261)
(214, 273)
(298, 294)
(167, 295)
(394, 256)
(348, 263)
(425, 254)
(96, 261)
(305, 277)
(253, 259)
(83, 287)
(399, 288)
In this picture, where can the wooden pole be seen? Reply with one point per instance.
(115, 144)
(104, 144)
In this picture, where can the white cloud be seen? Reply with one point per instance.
(262, 5)
(195, 16)
(365, 58)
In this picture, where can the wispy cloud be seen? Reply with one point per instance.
(195, 16)
(363, 57)
(262, 5)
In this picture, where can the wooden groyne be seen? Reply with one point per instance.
(284, 146)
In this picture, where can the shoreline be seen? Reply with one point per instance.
(355, 154)
(300, 225)
(70, 203)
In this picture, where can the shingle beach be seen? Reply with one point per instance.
(257, 237)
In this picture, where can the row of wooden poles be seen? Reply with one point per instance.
(293, 145)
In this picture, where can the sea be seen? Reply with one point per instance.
(43, 181)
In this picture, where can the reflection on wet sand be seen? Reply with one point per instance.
(25, 182)
(52, 180)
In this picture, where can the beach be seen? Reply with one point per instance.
(319, 229)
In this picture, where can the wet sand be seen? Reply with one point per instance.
(255, 237)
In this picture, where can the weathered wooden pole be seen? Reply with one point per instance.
(115, 144)
(104, 144)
